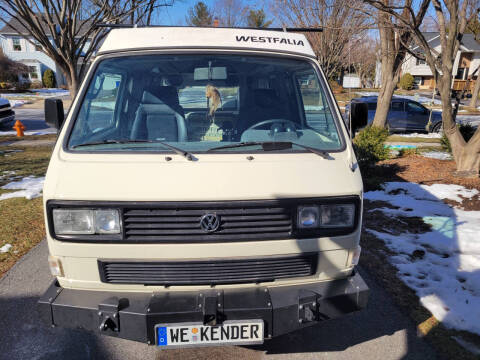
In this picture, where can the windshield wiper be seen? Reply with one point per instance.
(274, 145)
(181, 152)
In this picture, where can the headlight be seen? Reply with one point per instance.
(107, 221)
(337, 215)
(86, 221)
(307, 217)
(326, 216)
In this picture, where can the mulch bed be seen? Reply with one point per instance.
(427, 171)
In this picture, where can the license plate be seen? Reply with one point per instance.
(229, 333)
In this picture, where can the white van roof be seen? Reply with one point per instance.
(148, 38)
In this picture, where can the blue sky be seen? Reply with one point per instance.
(175, 15)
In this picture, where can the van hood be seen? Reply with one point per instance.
(148, 177)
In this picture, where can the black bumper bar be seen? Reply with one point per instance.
(133, 316)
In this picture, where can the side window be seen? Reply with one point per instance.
(315, 106)
(98, 109)
(415, 108)
(397, 106)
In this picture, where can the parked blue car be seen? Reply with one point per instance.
(405, 115)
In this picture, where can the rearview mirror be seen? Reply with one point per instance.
(54, 115)
(358, 116)
(212, 73)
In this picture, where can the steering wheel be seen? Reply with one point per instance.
(289, 126)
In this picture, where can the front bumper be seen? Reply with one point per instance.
(133, 316)
(5, 120)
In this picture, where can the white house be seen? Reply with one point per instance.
(466, 61)
(18, 48)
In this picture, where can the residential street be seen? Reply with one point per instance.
(33, 119)
(379, 332)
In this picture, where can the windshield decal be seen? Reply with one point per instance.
(264, 39)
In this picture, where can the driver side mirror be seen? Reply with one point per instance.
(359, 116)
(54, 115)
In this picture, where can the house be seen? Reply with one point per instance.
(26, 50)
(466, 61)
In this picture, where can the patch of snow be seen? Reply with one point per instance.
(31, 132)
(5, 248)
(17, 103)
(473, 120)
(419, 98)
(439, 155)
(29, 187)
(447, 277)
(426, 136)
(37, 93)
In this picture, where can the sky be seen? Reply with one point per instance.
(175, 14)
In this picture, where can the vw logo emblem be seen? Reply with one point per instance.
(210, 223)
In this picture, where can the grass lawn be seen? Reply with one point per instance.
(21, 220)
(9, 138)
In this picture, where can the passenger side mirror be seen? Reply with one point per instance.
(54, 115)
(358, 116)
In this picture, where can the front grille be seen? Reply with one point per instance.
(181, 223)
(214, 272)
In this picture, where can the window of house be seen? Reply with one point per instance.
(420, 62)
(32, 70)
(37, 45)
(16, 44)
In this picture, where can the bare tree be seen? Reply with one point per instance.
(453, 16)
(146, 11)
(66, 29)
(230, 13)
(343, 27)
(394, 43)
(363, 59)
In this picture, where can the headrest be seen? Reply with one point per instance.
(167, 94)
(149, 98)
(265, 97)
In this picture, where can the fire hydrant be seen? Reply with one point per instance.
(19, 127)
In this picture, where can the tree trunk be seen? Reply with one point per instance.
(467, 156)
(384, 98)
(476, 90)
(72, 80)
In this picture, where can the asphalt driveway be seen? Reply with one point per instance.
(379, 332)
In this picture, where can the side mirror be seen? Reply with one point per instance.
(54, 115)
(359, 115)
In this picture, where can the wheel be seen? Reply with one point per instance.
(437, 128)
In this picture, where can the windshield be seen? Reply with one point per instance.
(201, 102)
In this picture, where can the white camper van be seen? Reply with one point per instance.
(203, 191)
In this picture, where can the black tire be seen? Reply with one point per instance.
(437, 128)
